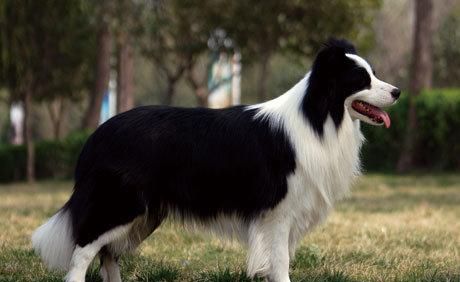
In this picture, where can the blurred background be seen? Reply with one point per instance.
(67, 66)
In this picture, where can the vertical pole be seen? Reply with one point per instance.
(236, 78)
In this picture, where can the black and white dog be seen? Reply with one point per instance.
(265, 174)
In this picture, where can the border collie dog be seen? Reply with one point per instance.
(265, 174)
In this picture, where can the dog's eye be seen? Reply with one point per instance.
(358, 79)
(373, 72)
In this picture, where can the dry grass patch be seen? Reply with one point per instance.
(392, 228)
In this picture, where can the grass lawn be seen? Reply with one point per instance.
(391, 228)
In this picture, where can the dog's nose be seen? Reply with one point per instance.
(396, 93)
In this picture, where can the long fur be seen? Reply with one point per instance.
(53, 241)
(264, 174)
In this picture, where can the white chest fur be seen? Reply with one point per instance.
(325, 167)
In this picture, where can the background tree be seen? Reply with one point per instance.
(42, 60)
(264, 28)
(126, 20)
(175, 35)
(421, 73)
(447, 51)
(104, 15)
(257, 27)
(70, 61)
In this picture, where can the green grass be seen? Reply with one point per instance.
(391, 228)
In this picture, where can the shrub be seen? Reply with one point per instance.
(12, 162)
(53, 158)
(438, 137)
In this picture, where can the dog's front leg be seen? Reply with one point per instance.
(269, 248)
(279, 257)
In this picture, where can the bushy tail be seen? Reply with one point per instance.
(53, 241)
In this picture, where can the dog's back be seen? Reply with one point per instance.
(196, 162)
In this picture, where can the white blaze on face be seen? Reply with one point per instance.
(365, 104)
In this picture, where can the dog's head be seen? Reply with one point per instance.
(341, 80)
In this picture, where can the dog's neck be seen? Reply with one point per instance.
(335, 153)
(320, 102)
(312, 105)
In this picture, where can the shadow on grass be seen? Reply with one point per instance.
(309, 265)
(224, 275)
(307, 260)
(325, 276)
(430, 276)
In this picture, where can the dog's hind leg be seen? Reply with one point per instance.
(81, 259)
(110, 270)
(141, 228)
(84, 255)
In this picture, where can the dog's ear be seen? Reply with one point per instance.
(331, 57)
(344, 44)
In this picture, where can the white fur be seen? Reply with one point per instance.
(83, 256)
(139, 230)
(268, 245)
(325, 170)
(224, 226)
(110, 270)
(53, 241)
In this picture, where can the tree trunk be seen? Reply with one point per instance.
(201, 93)
(170, 92)
(56, 112)
(30, 163)
(422, 62)
(420, 77)
(125, 87)
(199, 87)
(264, 72)
(104, 49)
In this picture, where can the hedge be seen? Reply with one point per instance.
(53, 158)
(438, 135)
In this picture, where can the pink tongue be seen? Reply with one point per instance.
(386, 118)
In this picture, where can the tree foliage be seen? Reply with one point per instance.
(45, 53)
(175, 34)
(178, 31)
(48, 45)
(297, 26)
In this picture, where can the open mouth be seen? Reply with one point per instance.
(374, 113)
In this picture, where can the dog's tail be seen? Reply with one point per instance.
(53, 241)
